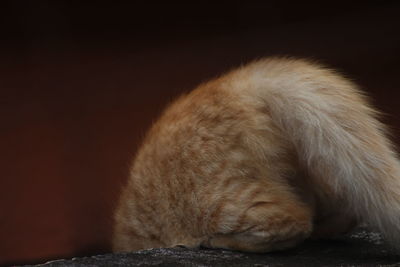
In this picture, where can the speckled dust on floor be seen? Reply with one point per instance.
(372, 237)
(360, 248)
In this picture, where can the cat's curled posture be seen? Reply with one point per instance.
(258, 160)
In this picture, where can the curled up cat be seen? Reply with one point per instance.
(260, 159)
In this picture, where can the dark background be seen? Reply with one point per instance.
(80, 82)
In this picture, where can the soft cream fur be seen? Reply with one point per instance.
(260, 159)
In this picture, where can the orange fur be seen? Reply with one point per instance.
(259, 160)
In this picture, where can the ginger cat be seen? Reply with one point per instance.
(258, 160)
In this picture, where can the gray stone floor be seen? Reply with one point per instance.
(361, 248)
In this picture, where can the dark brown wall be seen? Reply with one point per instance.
(81, 82)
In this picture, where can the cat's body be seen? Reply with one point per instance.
(258, 160)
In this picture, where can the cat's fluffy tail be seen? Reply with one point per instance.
(336, 134)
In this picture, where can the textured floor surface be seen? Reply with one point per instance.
(361, 248)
